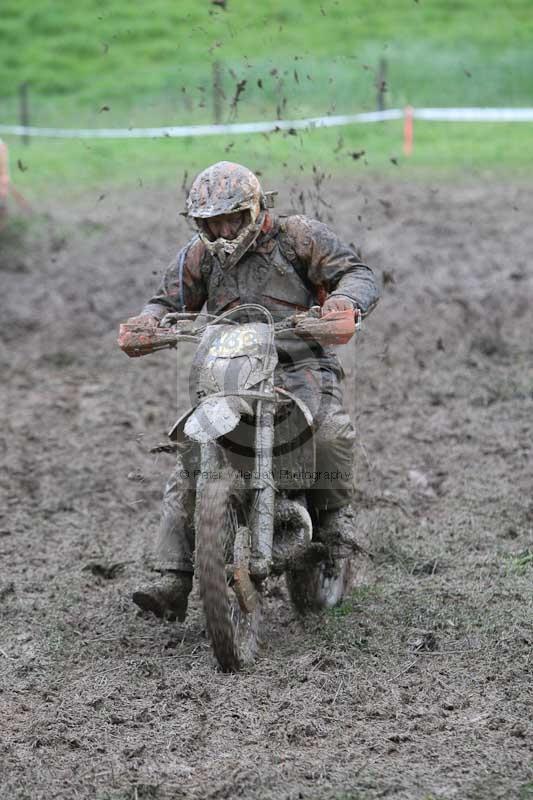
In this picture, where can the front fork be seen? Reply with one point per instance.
(262, 511)
(262, 518)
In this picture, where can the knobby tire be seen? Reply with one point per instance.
(234, 634)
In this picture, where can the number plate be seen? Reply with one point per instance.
(239, 341)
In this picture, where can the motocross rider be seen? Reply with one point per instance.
(242, 253)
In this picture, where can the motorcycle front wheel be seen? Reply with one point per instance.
(232, 602)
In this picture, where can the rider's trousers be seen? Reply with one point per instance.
(320, 388)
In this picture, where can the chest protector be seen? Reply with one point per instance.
(271, 277)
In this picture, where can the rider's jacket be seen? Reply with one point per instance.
(294, 264)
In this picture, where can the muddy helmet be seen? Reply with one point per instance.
(227, 188)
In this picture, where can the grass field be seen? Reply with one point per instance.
(99, 64)
(443, 150)
(95, 49)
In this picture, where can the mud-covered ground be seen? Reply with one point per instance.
(419, 686)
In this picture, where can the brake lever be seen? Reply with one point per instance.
(173, 317)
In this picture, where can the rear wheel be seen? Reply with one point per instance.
(232, 602)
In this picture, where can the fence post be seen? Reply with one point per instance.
(281, 105)
(217, 92)
(381, 84)
(24, 110)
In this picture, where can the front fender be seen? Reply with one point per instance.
(212, 418)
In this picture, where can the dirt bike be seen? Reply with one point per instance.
(256, 462)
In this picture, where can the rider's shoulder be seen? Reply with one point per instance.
(300, 229)
(295, 224)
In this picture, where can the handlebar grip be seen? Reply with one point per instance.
(335, 327)
(138, 341)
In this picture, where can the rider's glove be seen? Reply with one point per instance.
(143, 321)
(338, 302)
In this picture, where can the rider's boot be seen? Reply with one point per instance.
(336, 529)
(166, 597)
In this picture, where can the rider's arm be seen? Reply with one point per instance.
(331, 263)
(182, 287)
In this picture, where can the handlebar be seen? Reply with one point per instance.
(335, 327)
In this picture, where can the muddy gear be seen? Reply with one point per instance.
(320, 389)
(323, 585)
(337, 303)
(224, 188)
(143, 320)
(175, 544)
(227, 188)
(286, 255)
(337, 530)
(291, 267)
(329, 327)
(166, 597)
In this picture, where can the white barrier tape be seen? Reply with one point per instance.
(475, 114)
(435, 114)
(203, 130)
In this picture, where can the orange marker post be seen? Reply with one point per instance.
(408, 130)
(7, 189)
